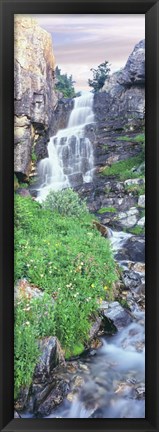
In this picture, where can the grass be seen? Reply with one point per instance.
(66, 257)
(136, 189)
(140, 138)
(107, 210)
(124, 169)
(137, 230)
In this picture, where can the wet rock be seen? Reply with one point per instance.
(21, 401)
(131, 279)
(75, 179)
(55, 397)
(95, 328)
(133, 250)
(116, 313)
(51, 356)
(137, 267)
(140, 392)
(141, 201)
(129, 218)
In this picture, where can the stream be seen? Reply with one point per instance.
(110, 381)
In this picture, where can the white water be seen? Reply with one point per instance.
(70, 153)
(114, 374)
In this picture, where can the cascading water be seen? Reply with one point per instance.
(70, 153)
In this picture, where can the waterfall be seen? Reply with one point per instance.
(70, 152)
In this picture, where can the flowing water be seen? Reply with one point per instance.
(113, 384)
(70, 152)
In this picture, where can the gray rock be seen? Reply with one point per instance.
(116, 313)
(33, 91)
(75, 179)
(141, 201)
(130, 182)
(133, 250)
(141, 222)
(129, 218)
(51, 356)
(131, 279)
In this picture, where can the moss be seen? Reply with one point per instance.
(77, 350)
(107, 210)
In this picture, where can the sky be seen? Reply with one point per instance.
(82, 42)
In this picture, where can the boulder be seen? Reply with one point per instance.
(141, 201)
(116, 313)
(133, 250)
(51, 356)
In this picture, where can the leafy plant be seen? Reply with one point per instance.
(64, 84)
(66, 202)
(99, 76)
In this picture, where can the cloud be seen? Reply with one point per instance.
(84, 41)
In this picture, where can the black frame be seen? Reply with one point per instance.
(151, 10)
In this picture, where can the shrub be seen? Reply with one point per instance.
(65, 202)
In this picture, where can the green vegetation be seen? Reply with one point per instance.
(99, 76)
(63, 254)
(136, 189)
(65, 202)
(140, 138)
(107, 209)
(64, 84)
(137, 230)
(124, 169)
(33, 156)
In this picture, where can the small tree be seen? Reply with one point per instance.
(99, 76)
(64, 84)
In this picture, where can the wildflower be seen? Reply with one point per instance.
(42, 275)
(28, 265)
(27, 323)
(92, 285)
(105, 288)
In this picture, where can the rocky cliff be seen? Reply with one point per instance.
(34, 93)
(122, 99)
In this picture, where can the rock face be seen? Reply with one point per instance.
(34, 93)
(122, 99)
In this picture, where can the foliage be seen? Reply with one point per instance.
(140, 138)
(125, 169)
(99, 76)
(107, 210)
(137, 230)
(33, 156)
(135, 189)
(31, 323)
(64, 84)
(67, 258)
(66, 202)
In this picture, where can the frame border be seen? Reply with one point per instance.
(151, 10)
